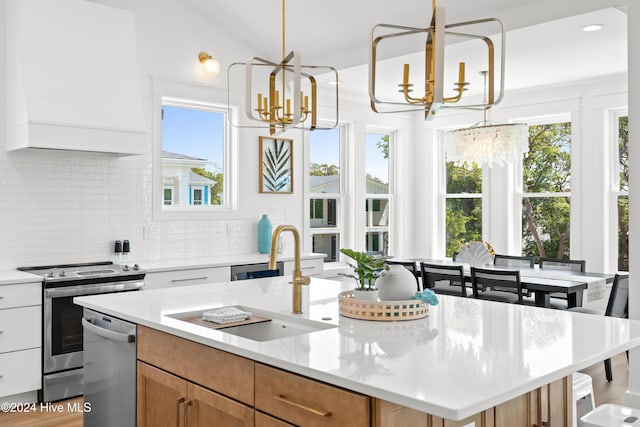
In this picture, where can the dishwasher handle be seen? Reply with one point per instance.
(108, 334)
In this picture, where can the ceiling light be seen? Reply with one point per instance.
(487, 144)
(210, 64)
(433, 97)
(289, 98)
(593, 27)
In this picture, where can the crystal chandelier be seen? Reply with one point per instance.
(291, 96)
(432, 98)
(487, 144)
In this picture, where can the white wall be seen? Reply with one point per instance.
(633, 11)
(60, 207)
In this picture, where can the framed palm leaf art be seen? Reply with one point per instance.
(276, 165)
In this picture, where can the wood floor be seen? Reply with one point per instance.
(604, 392)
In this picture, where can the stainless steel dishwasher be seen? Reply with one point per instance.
(109, 370)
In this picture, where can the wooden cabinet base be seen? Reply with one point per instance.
(183, 388)
(549, 405)
(167, 400)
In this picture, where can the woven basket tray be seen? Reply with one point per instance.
(381, 310)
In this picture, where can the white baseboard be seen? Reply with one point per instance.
(28, 397)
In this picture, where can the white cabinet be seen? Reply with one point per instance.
(20, 338)
(309, 267)
(17, 327)
(186, 277)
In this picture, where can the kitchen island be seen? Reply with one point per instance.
(461, 363)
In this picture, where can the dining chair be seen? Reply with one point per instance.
(409, 265)
(617, 306)
(444, 279)
(497, 285)
(513, 261)
(578, 265)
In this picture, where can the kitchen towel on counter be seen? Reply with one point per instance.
(225, 315)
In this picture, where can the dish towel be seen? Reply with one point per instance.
(225, 315)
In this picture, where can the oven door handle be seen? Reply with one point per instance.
(101, 288)
(108, 334)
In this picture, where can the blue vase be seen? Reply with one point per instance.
(264, 235)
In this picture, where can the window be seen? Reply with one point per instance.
(546, 173)
(325, 191)
(463, 206)
(197, 196)
(168, 196)
(193, 154)
(623, 192)
(378, 195)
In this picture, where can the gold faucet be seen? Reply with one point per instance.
(298, 278)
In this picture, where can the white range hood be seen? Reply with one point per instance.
(72, 78)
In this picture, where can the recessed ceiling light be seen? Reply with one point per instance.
(592, 27)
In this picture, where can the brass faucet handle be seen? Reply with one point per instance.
(299, 279)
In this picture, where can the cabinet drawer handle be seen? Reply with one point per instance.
(283, 399)
(186, 412)
(179, 403)
(313, 267)
(189, 279)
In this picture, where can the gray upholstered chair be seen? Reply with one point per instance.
(618, 306)
(513, 261)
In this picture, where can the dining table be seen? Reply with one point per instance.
(543, 283)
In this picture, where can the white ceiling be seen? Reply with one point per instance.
(544, 41)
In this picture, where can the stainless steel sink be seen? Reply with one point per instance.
(280, 325)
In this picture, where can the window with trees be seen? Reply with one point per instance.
(325, 191)
(378, 195)
(194, 145)
(623, 193)
(463, 205)
(546, 172)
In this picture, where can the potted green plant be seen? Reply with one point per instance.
(367, 269)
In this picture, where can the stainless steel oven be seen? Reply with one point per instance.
(62, 332)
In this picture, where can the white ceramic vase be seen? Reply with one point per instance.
(397, 284)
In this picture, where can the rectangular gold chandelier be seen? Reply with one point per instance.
(432, 98)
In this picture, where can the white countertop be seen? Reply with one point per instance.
(215, 261)
(466, 356)
(14, 277)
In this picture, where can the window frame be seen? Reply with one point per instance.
(172, 93)
(520, 194)
(339, 228)
(614, 183)
(389, 196)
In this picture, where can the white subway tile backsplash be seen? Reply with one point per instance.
(61, 207)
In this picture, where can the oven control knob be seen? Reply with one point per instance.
(62, 273)
(125, 267)
(136, 267)
(50, 274)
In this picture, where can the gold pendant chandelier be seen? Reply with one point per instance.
(291, 96)
(432, 99)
